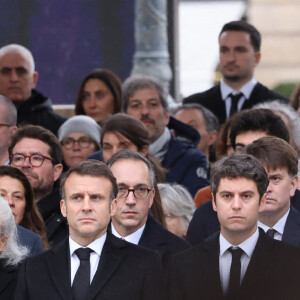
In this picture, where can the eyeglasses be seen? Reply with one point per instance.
(36, 160)
(83, 142)
(139, 193)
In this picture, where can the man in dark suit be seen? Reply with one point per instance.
(91, 263)
(239, 51)
(130, 210)
(241, 262)
(281, 164)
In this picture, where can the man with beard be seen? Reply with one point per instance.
(172, 142)
(239, 52)
(37, 153)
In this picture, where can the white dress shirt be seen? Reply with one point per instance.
(226, 90)
(279, 226)
(133, 238)
(225, 257)
(96, 246)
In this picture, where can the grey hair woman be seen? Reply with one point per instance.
(178, 206)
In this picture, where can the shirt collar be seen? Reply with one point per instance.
(247, 89)
(247, 246)
(279, 226)
(96, 245)
(133, 238)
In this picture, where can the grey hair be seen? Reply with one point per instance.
(10, 116)
(140, 82)
(135, 156)
(287, 110)
(16, 48)
(13, 252)
(177, 201)
(211, 121)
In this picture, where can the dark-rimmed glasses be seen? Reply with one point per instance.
(36, 160)
(139, 193)
(83, 142)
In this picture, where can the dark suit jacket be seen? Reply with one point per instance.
(212, 99)
(156, 237)
(205, 223)
(8, 280)
(125, 271)
(272, 273)
(30, 239)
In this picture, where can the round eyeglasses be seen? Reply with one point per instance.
(36, 160)
(139, 193)
(83, 142)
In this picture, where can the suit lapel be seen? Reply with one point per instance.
(110, 259)
(291, 233)
(220, 105)
(59, 268)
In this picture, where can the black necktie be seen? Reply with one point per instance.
(81, 281)
(234, 103)
(235, 271)
(270, 232)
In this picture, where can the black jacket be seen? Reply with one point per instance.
(212, 99)
(37, 110)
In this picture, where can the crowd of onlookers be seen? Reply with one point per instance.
(126, 166)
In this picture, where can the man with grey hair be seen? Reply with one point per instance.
(130, 209)
(240, 262)
(91, 263)
(8, 127)
(205, 122)
(172, 142)
(18, 79)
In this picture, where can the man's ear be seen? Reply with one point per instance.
(3, 243)
(152, 197)
(257, 57)
(35, 78)
(212, 137)
(57, 171)
(166, 118)
(113, 207)
(294, 185)
(214, 203)
(63, 208)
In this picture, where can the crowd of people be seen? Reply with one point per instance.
(129, 200)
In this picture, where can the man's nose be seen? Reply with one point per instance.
(14, 76)
(236, 202)
(130, 199)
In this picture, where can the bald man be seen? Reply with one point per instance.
(18, 79)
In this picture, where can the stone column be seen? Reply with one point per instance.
(151, 55)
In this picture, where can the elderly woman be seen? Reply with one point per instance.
(79, 137)
(99, 95)
(16, 189)
(178, 206)
(11, 253)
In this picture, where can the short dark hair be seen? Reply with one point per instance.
(255, 36)
(133, 155)
(274, 153)
(211, 121)
(39, 133)
(93, 168)
(110, 79)
(133, 129)
(258, 120)
(139, 82)
(239, 165)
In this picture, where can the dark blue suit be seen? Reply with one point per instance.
(30, 239)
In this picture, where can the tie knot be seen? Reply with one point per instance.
(83, 253)
(271, 232)
(236, 253)
(236, 97)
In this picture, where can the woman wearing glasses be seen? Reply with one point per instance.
(79, 137)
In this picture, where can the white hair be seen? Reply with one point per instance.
(16, 48)
(287, 110)
(177, 201)
(13, 252)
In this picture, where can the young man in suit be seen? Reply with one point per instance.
(91, 263)
(239, 52)
(241, 262)
(130, 210)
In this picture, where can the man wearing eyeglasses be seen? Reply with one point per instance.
(130, 210)
(38, 154)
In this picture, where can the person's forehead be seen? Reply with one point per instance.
(191, 114)
(85, 182)
(31, 145)
(235, 37)
(238, 184)
(15, 59)
(277, 171)
(131, 172)
(144, 94)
